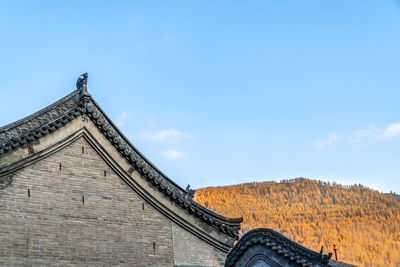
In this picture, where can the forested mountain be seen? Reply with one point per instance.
(363, 223)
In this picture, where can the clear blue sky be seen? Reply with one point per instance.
(222, 92)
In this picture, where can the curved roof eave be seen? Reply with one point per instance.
(279, 243)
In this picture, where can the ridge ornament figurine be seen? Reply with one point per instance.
(81, 83)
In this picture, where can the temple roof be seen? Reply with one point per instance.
(81, 103)
(282, 246)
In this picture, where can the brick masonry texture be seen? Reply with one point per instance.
(198, 253)
(85, 214)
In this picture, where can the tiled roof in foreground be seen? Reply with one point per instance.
(81, 103)
(275, 247)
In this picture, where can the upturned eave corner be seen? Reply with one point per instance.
(81, 103)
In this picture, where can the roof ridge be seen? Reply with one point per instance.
(37, 113)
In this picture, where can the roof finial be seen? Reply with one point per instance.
(81, 83)
(189, 192)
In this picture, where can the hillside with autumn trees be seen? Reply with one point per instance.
(362, 222)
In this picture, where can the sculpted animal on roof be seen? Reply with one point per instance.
(190, 192)
(81, 83)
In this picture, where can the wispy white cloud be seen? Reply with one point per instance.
(165, 134)
(122, 118)
(173, 154)
(332, 138)
(164, 141)
(361, 137)
(393, 130)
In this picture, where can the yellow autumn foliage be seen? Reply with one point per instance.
(363, 223)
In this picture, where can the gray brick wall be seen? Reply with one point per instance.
(54, 226)
(84, 214)
(79, 216)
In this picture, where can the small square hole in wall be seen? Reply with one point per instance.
(131, 169)
(30, 149)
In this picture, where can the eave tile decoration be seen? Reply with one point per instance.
(282, 245)
(40, 123)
